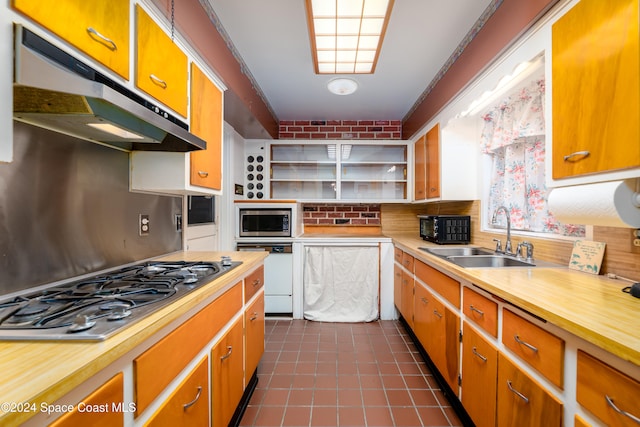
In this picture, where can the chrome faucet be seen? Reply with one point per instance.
(507, 245)
(529, 247)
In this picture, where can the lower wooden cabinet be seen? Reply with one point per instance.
(189, 403)
(522, 401)
(479, 377)
(227, 375)
(444, 328)
(253, 337)
(607, 393)
(407, 304)
(106, 396)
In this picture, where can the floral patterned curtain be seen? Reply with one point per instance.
(514, 136)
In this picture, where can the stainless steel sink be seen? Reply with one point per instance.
(494, 261)
(458, 251)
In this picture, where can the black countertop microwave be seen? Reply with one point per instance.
(445, 229)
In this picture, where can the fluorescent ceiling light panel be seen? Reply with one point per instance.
(346, 35)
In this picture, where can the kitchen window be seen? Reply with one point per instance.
(513, 144)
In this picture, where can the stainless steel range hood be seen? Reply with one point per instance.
(54, 90)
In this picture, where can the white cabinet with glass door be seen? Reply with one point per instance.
(362, 171)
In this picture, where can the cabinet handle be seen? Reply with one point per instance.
(424, 300)
(102, 39)
(203, 174)
(158, 81)
(581, 154)
(226, 356)
(193, 402)
(620, 411)
(254, 317)
(517, 393)
(480, 312)
(257, 282)
(481, 357)
(437, 314)
(526, 344)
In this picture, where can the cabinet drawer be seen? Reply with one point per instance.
(539, 348)
(397, 255)
(107, 394)
(481, 310)
(601, 389)
(522, 401)
(407, 261)
(161, 67)
(189, 404)
(254, 336)
(98, 29)
(253, 283)
(439, 282)
(157, 367)
(479, 373)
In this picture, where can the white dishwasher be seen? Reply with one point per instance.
(278, 276)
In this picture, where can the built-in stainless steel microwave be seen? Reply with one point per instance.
(264, 222)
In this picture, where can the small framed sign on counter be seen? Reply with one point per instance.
(587, 256)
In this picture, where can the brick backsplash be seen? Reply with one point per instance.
(341, 214)
(340, 129)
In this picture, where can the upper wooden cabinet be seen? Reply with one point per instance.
(98, 29)
(206, 122)
(161, 67)
(420, 168)
(596, 88)
(427, 165)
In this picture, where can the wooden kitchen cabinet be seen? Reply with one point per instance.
(397, 286)
(406, 305)
(253, 283)
(443, 328)
(427, 165)
(106, 396)
(253, 337)
(539, 348)
(481, 310)
(227, 373)
(606, 392)
(206, 122)
(420, 168)
(98, 29)
(444, 285)
(159, 365)
(479, 377)
(596, 88)
(421, 315)
(161, 67)
(188, 405)
(522, 401)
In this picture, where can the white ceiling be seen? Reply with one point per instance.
(272, 38)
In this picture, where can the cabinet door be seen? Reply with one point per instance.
(189, 404)
(421, 316)
(98, 29)
(227, 375)
(254, 336)
(397, 286)
(479, 378)
(206, 122)
(109, 394)
(406, 307)
(433, 162)
(596, 88)
(522, 401)
(161, 67)
(444, 329)
(420, 169)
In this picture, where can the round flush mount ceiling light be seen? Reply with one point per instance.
(342, 86)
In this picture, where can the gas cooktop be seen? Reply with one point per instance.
(97, 307)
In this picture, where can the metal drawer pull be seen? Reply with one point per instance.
(102, 39)
(229, 350)
(193, 402)
(437, 314)
(254, 317)
(526, 344)
(581, 154)
(424, 300)
(203, 174)
(481, 357)
(480, 312)
(257, 282)
(620, 411)
(158, 81)
(517, 393)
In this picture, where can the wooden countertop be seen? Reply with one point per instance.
(589, 306)
(43, 371)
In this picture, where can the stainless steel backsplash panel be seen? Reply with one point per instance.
(66, 210)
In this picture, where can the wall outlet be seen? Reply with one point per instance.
(143, 225)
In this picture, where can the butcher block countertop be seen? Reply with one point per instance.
(589, 306)
(38, 372)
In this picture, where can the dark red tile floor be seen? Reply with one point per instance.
(344, 374)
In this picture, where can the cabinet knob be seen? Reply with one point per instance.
(102, 39)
